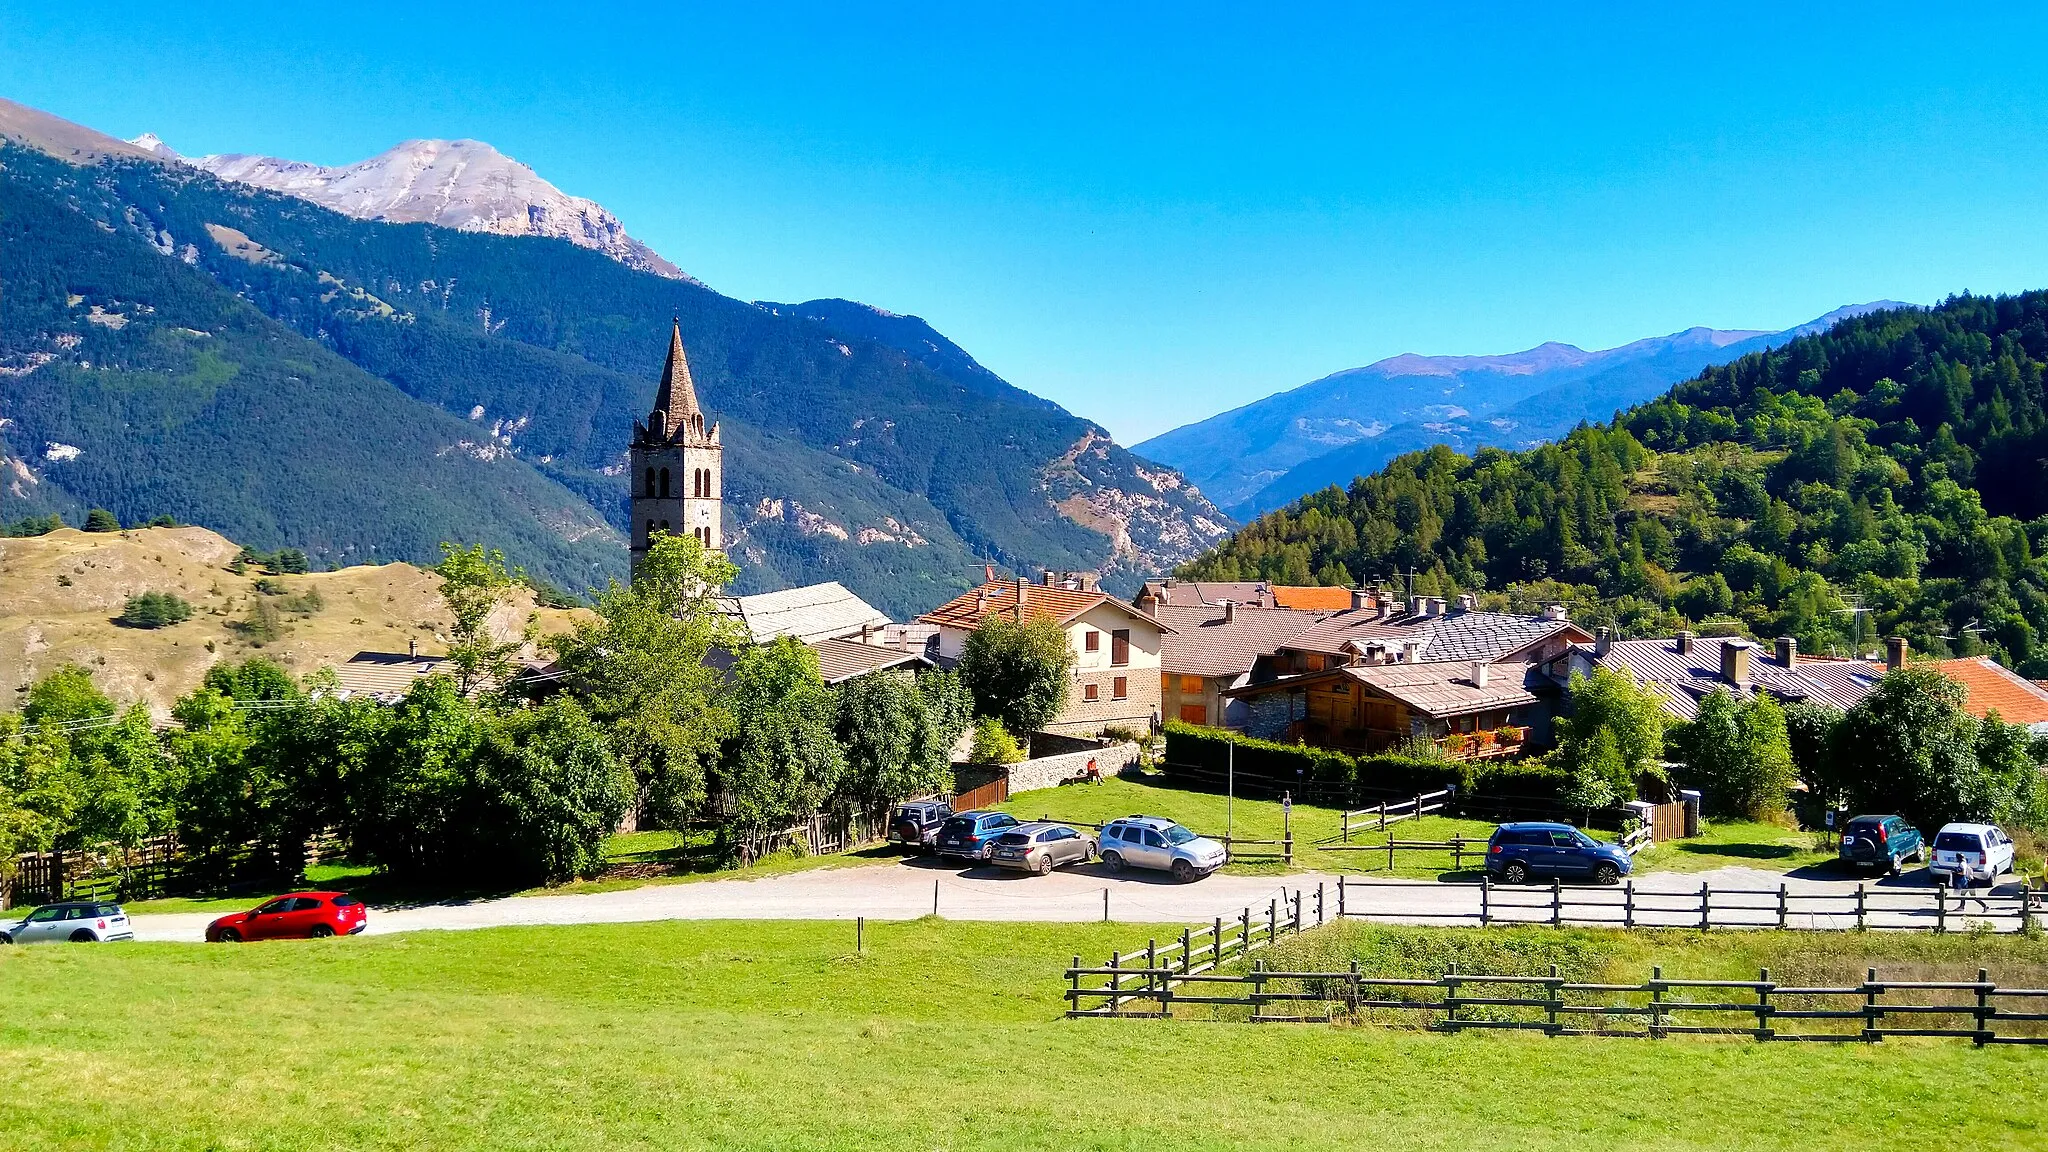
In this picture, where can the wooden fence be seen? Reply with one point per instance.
(1457, 848)
(1234, 847)
(1391, 811)
(1976, 1010)
(1628, 906)
(986, 795)
(157, 867)
(824, 834)
(1155, 969)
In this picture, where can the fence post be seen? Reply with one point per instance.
(1706, 906)
(1116, 985)
(1340, 896)
(860, 932)
(1272, 921)
(935, 897)
(1941, 909)
(1628, 904)
(1352, 990)
(1763, 1005)
(1553, 990)
(1557, 904)
(1657, 1002)
(1186, 950)
(1870, 1012)
(1781, 905)
(1861, 922)
(1485, 902)
(1105, 905)
(1244, 932)
(1983, 1006)
(1347, 827)
(1074, 984)
(2026, 909)
(1450, 983)
(1383, 816)
(1390, 854)
(1258, 989)
(1320, 921)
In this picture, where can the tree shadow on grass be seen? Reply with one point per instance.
(1743, 851)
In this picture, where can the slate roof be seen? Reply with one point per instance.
(1203, 644)
(841, 660)
(811, 613)
(1454, 636)
(1993, 687)
(1441, 690)
(386, 676)
(1039, 602)
(1681, 678)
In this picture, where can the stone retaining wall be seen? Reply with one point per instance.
(1051, 771)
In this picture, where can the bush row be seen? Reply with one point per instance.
(1201, 756)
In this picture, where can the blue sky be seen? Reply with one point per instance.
(1153, 213)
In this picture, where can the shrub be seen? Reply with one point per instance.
(101, 520)
(154, 610)
(993, 744)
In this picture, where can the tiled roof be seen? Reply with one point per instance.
(386, 675)
(1682, 678)
(1441, 690)
(842, 660)
(1993, 687)
(1454, 636)
(1040, 602)
(1312, 599)
(811, 613)
(1202, 643)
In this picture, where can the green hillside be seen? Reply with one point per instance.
(546, 352)
(1897, 462)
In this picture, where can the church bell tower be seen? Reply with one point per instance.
(677, 468)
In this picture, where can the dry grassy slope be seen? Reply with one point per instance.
(46, 621)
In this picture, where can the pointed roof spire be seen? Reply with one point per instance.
(677, 395)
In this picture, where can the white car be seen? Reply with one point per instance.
(1978, 851)
(80, 923)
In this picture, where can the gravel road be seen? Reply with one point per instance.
(906, 889)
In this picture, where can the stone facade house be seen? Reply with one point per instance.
(1683, 669)
(1116, 647)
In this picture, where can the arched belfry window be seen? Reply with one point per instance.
(650, 528)
(664, 483)
(649, 489)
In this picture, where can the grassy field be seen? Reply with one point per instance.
(939, 1036)
(1737, 843)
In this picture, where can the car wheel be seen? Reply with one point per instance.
(1045, 864)
(230, 936)
(1515, 873)
(1183, 871)
(5, 938)
(1891, 866)
(84, 936)
(1607, 873)
(1114, 861)
(322, 931)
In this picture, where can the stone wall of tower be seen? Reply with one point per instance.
(692, 500)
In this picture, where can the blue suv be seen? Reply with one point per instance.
(1520, 852)
(970, 835)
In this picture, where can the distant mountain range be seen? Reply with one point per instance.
(1261, 456)
(463, 184)
(250, 360)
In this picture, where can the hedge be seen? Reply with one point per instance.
(1200, 756)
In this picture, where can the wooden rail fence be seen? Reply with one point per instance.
(1707, 907)
(1976, 1010)
(1392, 811)
(1156, 969)
(1457, 847)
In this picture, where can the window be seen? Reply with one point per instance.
(664, 483)
(648, 490)
(1191, 684)
(1090, 692)
(664, 525)
(1120, 647)
(275, 906)
(1120, 688)
(1166, 681)
(1313, 662)
(1154, 839)
(1092, 641)
(305, 904)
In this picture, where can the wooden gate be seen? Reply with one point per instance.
(984, 795)
(1667, 822)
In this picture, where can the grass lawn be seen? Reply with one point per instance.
(1205, 812)
(940, 1036)
(1737, 843)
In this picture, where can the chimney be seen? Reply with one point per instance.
(1554, 612)
(1411, 651)
(1894, 653)
(1022, 584)
(1685, 643)
(1735, 662)
(412, 646)
(1788, 651)
(867, 633)
(1230, 611)
(1479, 673)
(1360, 599)
(1049, 578)
(1603, 640)
(1467, 602)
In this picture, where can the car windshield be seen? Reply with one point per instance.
(1958, 842)
(959, 824)
(1013, 838)
(1175, 834)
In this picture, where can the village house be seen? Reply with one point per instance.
(1211, 649)
(1683, 669)
(1116, 647)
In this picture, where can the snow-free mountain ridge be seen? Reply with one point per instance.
(462, 184)
(1269, 452)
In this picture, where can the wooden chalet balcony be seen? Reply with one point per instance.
(1490, 744)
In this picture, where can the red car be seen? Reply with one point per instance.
(298, 915)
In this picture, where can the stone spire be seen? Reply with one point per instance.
(677, 396)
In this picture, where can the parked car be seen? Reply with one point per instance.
(294, 916)
(1881, 842)
(1978, 851)
(1159, 843)
(1040, 848)
(1518, 853)
(970, 835)
(916, 824)
(80, 923)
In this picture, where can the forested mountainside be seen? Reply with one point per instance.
(848, 458)
(1890, 474)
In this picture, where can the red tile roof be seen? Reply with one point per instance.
(999, 597)
(1992, 687)
(1312, 599)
